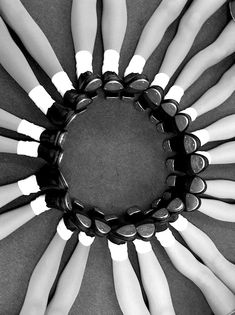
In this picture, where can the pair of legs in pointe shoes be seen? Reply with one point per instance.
(44, 274)
(214, 280)
(211, 55)
(84, 29)
(12, 59)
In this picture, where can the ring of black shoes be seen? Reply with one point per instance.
(184, 186)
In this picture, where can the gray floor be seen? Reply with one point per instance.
(113, 159)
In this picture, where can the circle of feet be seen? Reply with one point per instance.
(136, 222)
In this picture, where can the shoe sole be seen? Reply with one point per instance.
(181, 122)
(198, 186)
(190, 144)
(62, 182)
(70, 118)
(154, 96)
(197, 163)
(113, 86)
(170, 109)
(83, 104)
(192, 202)
(176, 205)
(161, 214)
(139, 85)
(146, 231)
(61, 139)
(93, 85)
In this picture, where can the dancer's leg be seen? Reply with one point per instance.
(218, 210)
(114, 22)
(191, 23)
(44, 274)
(222, 154)
(214, 97)
(218, 296)
(84, 29)
(126, 284)
(153, 32)
(71, 278)
(154, 280)
(35, 41)
(201, 244)
(223, 189)
(12, 220)
(206, 58)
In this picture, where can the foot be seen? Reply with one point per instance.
(58, 200)
(89, 82)
(60, 115)
(136, 83)
(76, 101)
(167, 110)
(192, 184)
(51, 155)
(54, 138)
(49, 177)
(146, 100)
(112, 84)
(181, 201)
(182, 121)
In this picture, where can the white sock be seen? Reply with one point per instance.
(41, 98)
(84, 239)
(111, 61)
(175, 93)
(118, 252)
(166, 238)
(39, 205)
(62, 230)
(203, 135)
(142, 247)
(28, 185)
(161, 79)
(191, 112)
(136, 65)
(62, 82)
(29, 148)
(29, 129)
(83, 62)
(206, 154)
(180, 224)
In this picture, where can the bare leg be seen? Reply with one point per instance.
(154, 280)
(84, 29)
(153, 32)
(35, 41)
(44, 275)
(223, 154)
(218, 296)
(70, 281)
(215, 96)
(203, 246)
(8, 193)
(12, 220)
(190, 25)
(126, 284)
(223, 189)
(14, 62)
(114, 22)
(218, 210)
(207, 57)
(8, 145)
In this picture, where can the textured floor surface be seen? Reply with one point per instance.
(113, 159)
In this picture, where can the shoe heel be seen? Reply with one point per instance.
(171, 180)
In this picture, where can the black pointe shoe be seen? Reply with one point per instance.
(154, 94)
(99, 225)
(174, 144)
(182, 121)
(112, 84)
(167, 110)
(191, 143)
(189, 202)
(58, 200)
(89, 82)
(167, 126)
(144, 102)
(51, 155)
(55, 138)
(78, 218)
(49, 177)
(76, 101)
(189, 164)
(60, 115)
(136, 82)
(192, 184)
